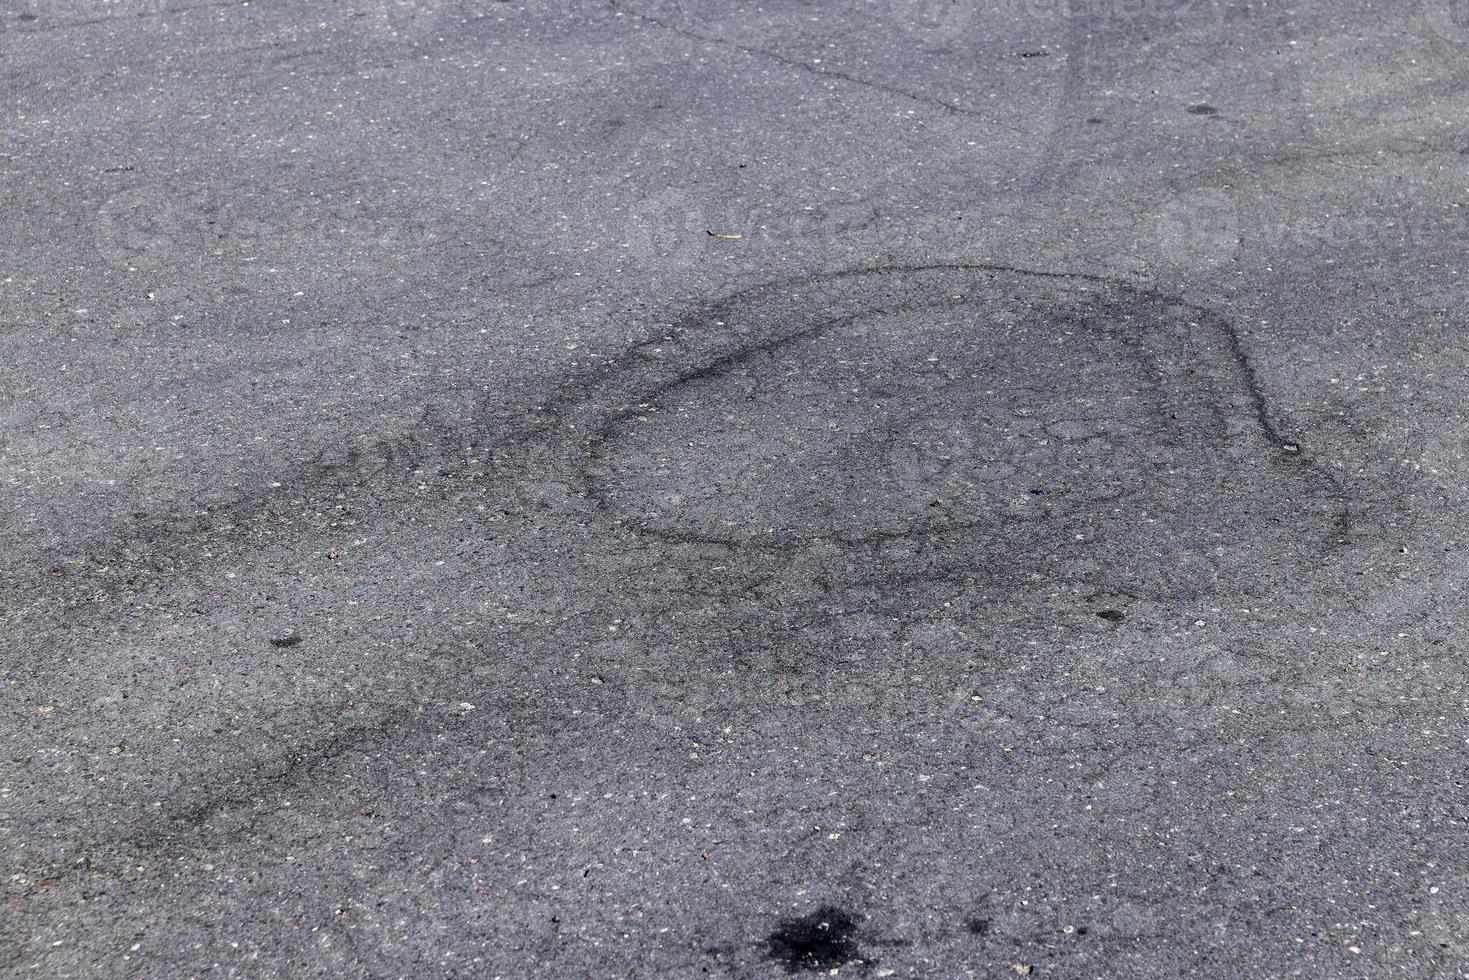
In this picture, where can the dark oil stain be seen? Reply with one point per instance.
(823, 940)
(978, 926)
(1202, 109)
(292, 640)
(1035, 54)
(1112, 615)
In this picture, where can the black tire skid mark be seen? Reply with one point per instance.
(1242, 377)
(591, 405)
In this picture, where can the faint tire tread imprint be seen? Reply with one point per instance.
(1213, 379)
(812, 69)
(578, 430)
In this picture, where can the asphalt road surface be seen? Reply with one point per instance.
(666, 488)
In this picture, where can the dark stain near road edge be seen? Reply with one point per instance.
(822, 940)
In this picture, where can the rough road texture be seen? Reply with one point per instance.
(1035, 544)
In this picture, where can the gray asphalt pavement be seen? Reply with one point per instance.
(666, 488)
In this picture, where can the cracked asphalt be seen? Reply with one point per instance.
(665, 488)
